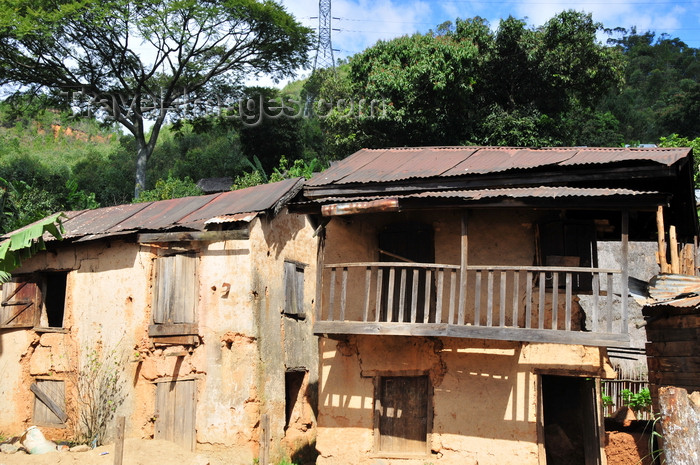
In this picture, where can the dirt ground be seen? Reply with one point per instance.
(136, 452)
(624, 448)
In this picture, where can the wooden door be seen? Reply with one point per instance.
(175, 412)
(402, 414)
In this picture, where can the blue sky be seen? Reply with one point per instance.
(363, 22)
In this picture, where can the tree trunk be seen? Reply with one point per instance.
(680, 423)
(143, 153)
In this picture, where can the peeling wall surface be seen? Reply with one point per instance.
(483, 395)
(237, 359)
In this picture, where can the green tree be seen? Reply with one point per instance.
(137, 61)
(464, 83)
(170, 188)
(661, 94)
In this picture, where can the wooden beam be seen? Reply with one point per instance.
(187, 236)
(673, 245)
(661, 235)
(119, 443)
(473, 332)
(173, 329)
(625, 272)
(46, 400)
(463, 262)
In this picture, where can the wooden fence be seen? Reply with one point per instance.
(634, 380)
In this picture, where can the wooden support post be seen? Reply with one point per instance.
(661, 233)
(119, 444)
(673, 245)
(464, 247)
(680, 422)
(264, 439)
(624, 292)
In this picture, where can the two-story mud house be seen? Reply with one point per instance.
(462, 314)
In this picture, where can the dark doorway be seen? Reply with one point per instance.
(410, 242)
(293, 382)
(570, 420)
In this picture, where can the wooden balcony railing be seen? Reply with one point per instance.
(541, 304)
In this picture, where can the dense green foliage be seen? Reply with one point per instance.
(662, 91)
(466, 84)
(463, 83)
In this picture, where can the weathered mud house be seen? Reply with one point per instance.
(462, 314)
(206, 299)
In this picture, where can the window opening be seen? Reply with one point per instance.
(49, 402)
(55, 298)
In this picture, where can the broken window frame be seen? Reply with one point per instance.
(294, 289)
(380, 401)
(41, 304)
(173, 320)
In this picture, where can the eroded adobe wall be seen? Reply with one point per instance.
(286, 342)
(243, 348)
(104, 310)
(484, 396)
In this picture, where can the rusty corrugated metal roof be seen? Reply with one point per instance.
(667, 286)
(515, 193)
(395, 164)
(189, 213)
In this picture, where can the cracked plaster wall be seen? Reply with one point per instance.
(108, 307)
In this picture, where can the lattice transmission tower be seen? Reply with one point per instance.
(324, 47)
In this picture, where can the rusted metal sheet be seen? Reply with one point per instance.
(497, 159)
(396, 164)
(244, 217)
(665, 156)
(252, 199)
(100, 220)
(185, 213)
(350, 208)
(530, 192)
(165, 214)
(665, 287)
(515, 193)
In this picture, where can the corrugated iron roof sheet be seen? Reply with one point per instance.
(515, 192)
(395, 164)
(190, 213)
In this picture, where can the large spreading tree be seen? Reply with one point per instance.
(137, 62)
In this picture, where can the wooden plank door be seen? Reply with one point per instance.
(402, 414)
(175, 412)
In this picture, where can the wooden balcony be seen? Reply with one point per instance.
(568, 305)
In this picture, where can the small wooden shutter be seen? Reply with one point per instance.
(175, 412)
(294, 289)
(21, 304)
(49, 402)
(402, 414)
(175, 291)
